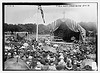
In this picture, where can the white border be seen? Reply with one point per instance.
(48, 1)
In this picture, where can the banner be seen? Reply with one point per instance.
(40, 8)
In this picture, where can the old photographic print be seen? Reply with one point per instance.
(50, 36)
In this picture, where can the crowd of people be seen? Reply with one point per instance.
(42, 56)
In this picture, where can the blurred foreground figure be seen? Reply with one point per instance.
(16, 64)
(90, 63)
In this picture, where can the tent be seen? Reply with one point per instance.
(66, 29)
(21, 35)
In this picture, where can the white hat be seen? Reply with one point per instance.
(60, 53)
(28, 62)
(48, 43)
(17, 56)
(62, 60)
(55, 45)
(5, 53)
(15, 53)
(28, 50)
(61, 57)
(48, 57)
(33, 46)
(7, 41)
(6, 47)
(23, 47)
(74, 50)
(30, 57)
(38, 62)
(25, 44)
(9, 53)
(40, 43)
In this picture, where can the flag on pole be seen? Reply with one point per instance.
(40, 8)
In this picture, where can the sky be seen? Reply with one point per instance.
(21, 14)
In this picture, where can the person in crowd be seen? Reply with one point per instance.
(52, 67)
(34, 55)
(39, 66)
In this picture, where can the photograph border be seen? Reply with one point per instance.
(37, 3)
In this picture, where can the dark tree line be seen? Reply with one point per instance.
(31, 28)
(46, 29)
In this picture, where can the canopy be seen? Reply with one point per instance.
(66, 28)
(21, 35)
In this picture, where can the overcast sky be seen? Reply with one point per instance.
(28, 13)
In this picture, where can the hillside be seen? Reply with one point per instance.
(46, 29)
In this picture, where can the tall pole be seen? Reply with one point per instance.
(37, 26)
(64, 14)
